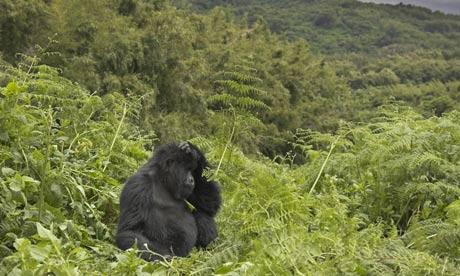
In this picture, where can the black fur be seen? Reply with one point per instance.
(153, 212)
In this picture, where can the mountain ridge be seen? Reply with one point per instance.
(338, 26)
(445, 6)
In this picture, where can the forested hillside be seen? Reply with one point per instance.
(344, 26)
(334, 127)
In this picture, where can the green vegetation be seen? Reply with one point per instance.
(344, 26)
(342, 159)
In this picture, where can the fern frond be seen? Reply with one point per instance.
(241, 77)
(53, 100)
(402, 145)
(202, 142)
(254, 122)
(221, 254)
(225, 100)
(248, 103)
(425, 160)
(241, 89)
(436, 237)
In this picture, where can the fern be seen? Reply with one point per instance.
(53, 100)
(248, 103)
(404, 164)
(224, 100)
(240, 89)
(436, 237)
(239, 77)
(425, 160)
(240, 92)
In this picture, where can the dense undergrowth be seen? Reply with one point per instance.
(376, 199)
(338, 165)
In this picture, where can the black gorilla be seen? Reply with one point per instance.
(153, 211)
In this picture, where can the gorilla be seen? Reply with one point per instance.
(154, 214)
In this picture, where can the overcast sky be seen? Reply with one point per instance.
(447, 6)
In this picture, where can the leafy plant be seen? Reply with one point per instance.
(402, 165)
(237, 106)
(62, 161)
(364, 186)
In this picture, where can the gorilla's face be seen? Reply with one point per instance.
(181, 178)
(177, 166)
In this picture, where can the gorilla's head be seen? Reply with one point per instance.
(175, 165)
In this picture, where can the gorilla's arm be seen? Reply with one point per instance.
(206, 196)
(132, 204)
(206, 227)
(206, 199)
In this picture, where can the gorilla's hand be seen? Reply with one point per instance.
(188, 148)
(185, 146)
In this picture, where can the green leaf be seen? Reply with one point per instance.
(17, 184)
(43, 232)
(21, 244)
(29, 179)
(12, 90)
(224, 269)
(8, 171)
(40, 253)
(46, 234)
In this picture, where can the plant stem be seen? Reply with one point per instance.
(115, 137)
(225, 149)
(324, 165)
(227, 145)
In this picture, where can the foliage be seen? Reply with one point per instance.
(152, 50)
(237, 107)
(383, 52)
(324, 167)
(61, 163)
(164, 55)
(338, 26)
(402, 166)
(240, 92)
(62, 170)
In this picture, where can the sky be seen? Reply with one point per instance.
(446, 6)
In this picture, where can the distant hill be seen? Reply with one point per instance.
(344, 26)
(446, 6)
